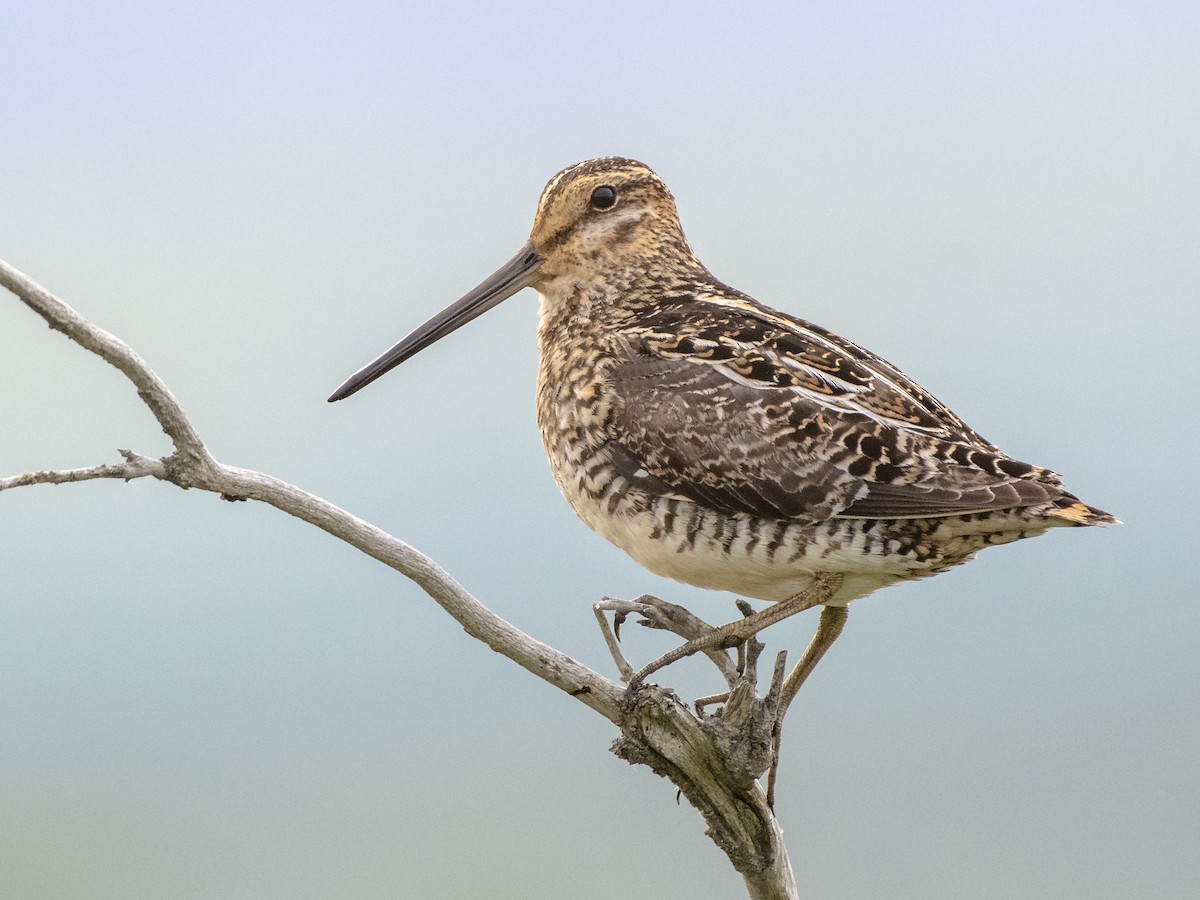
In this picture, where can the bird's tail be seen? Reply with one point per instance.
(1076, 512)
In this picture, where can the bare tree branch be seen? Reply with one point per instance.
(153, 391)
(192, 466)
(715, 760)
(135, 466)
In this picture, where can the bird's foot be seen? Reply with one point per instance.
(732, 634)
(736, 633)
(713, 641)
(665, 616)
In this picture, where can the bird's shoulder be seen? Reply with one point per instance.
(759, 347)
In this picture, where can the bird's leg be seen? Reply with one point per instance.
(829, 627)
(731, 634)
(662, 615)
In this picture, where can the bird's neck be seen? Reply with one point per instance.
(605, 297)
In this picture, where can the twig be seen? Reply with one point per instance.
(135, 466)
(152, 389)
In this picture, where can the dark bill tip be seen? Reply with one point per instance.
(519, 272)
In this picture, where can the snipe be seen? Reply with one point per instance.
(725, 444)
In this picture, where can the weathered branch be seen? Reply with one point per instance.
(192, 466)
(135, 466)
(714, 760)
(152, 389)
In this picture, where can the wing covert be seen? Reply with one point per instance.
(754, 420)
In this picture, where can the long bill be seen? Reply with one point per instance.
(519, 272)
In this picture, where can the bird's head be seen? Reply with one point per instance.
(602, 221)
(603, 218)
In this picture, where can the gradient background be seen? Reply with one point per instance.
(209, 700)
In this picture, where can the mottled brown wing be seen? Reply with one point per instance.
(702, 414)
(733, 448)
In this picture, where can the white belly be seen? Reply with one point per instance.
(727, 554)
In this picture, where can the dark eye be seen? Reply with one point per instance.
(604, 197)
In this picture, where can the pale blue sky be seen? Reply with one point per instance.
(200, 699)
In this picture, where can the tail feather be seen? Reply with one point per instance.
(1079, 513)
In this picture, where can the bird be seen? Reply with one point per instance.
(728, 445)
